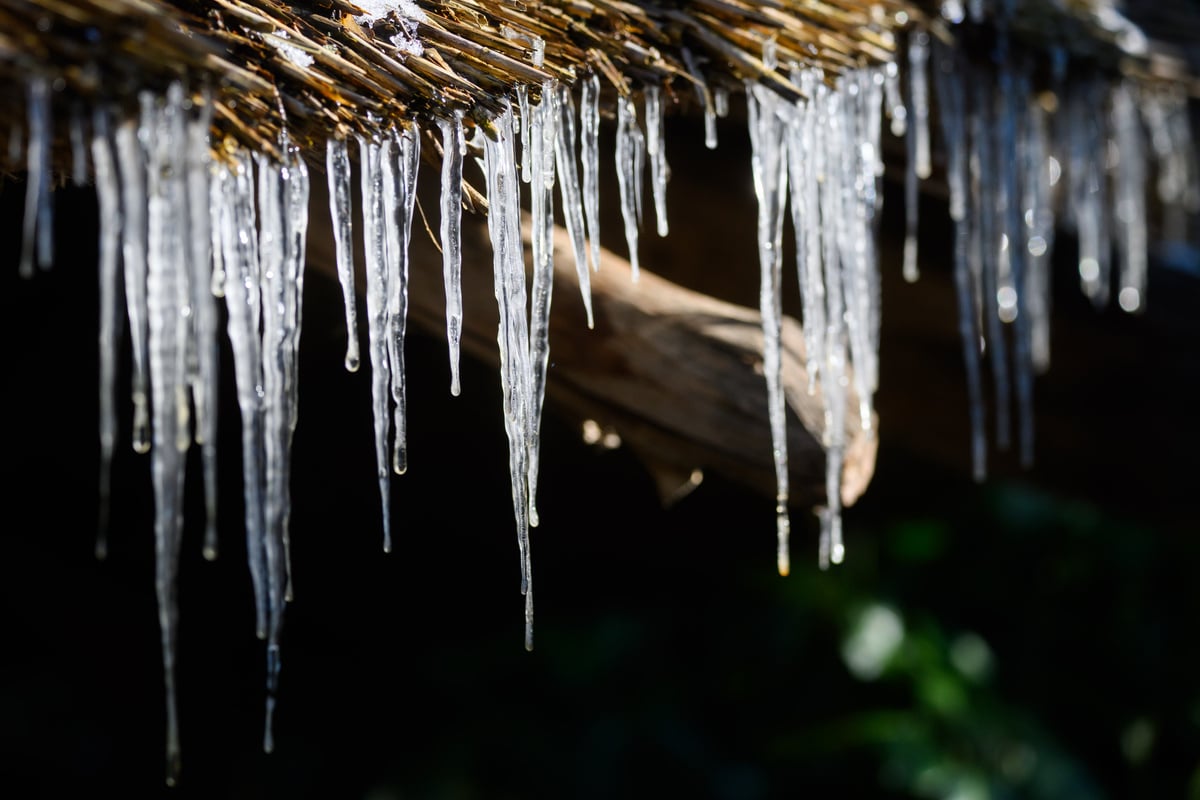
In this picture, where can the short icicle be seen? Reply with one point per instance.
(132, 166)
(337, 172)
(572, 202)
(630, 144)
(1129, 203)
(589, 119)
(36, 240)
(656, 147)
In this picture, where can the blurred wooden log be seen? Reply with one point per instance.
(677, 374)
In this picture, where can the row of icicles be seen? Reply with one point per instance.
(180, 230)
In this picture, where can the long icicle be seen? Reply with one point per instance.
(409, 159)
(829, 142)
(167, 297)
(542, 131)
(109, 196)
(233, 197)
(453, 150)
(204, 369)
(504, 227)
(952, 102)
(375, 250)
(295, 219)
(769, 165)
(274, 289)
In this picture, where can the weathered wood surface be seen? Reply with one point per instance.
(677, 374)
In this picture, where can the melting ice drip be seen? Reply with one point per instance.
(179, 229)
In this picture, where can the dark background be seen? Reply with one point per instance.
(1051, 638)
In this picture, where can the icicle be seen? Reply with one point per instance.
(656, 147)
(629, 143)
(283, 204)
(985, 192)
(769, 165)
(918, 138)
(396, 292)
(896, 110)
(721, 101)
(400, 205)
(1130, 201)
(372, 186)
(829, 140)
(504, 226)
(37, 183)
(1087, 183)
(203, 369)
(704, 97)
(1039, 220)
(274, 289)
(572, 203)
(542, 133)
(132, 165)
(167, 297)
(337, 170)
(1011, 296)
(806, 224)
(918, 57)
(233, 200)
(109, 196)
(525, 121)
(295, 218)
(453, 149)
(79, 147)
(952, 103)
(857, 181)
(589, 118)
